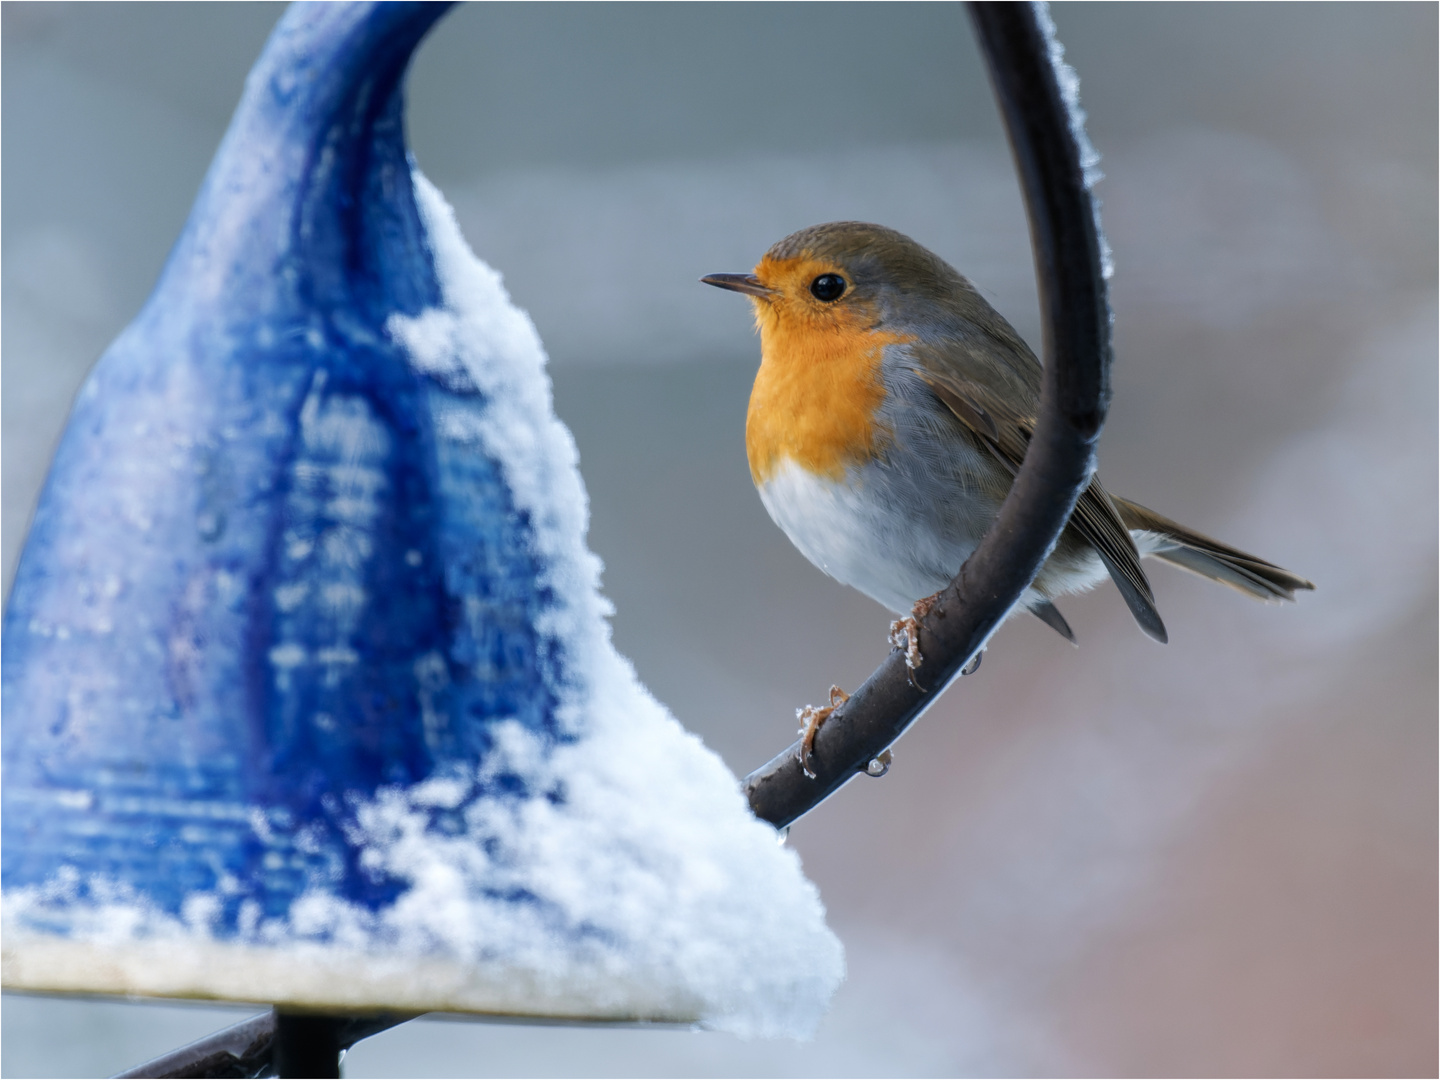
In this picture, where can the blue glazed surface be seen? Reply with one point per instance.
(259, 579)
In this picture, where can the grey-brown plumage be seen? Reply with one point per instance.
(962, 391)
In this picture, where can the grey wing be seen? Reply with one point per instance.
(1095, 519)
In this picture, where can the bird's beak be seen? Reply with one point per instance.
(748, 284)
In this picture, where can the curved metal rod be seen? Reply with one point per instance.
(1045, 130)
(253, 1047)
(243, 1049)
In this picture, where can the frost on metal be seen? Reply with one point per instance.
(309, 692)
(1089, 157)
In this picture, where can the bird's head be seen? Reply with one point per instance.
(848, 276)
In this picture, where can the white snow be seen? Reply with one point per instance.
(655, 894)
(1089, 157)
(653, 846)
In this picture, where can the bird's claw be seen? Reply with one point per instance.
(905, 636)
(811, 718)
(905, 633)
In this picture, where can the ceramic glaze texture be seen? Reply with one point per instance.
(309, 694)
(259, 581)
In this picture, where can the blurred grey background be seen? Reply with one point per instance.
(1217, 857)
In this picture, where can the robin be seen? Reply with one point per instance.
(889, 416)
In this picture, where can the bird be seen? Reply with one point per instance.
(889, 415)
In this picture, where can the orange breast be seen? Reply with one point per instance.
(817, 391)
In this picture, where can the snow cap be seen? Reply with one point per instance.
(309, 691)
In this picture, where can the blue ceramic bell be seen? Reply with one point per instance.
(308, 693)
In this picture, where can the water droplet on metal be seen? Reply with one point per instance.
(880, 765)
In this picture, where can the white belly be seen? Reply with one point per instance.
(849, 529)
(873, 532)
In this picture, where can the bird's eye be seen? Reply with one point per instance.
(828, 287)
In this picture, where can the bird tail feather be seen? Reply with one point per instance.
(1209, 558)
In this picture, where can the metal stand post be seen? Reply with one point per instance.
(307, 1045)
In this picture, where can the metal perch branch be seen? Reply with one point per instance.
(1061, 456)
(1043, 127)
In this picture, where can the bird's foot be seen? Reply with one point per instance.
(905, 636)
(925, 605)
(905, 633)
(811, 718)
